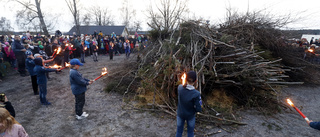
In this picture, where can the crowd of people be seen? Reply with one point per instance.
(13, 49)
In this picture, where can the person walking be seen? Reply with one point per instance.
(189, 102)
(78, 87)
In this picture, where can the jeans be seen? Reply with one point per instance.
(43, 93)
(82, 57)
(190, 126)
(80, 100)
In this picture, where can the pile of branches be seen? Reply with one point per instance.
(224, 58)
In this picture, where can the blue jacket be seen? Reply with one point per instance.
(30, 66)
(40, 71)
(315, 125)
(188, 102)
(78, 83)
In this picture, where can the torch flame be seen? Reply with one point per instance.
(55, 66)
(183, 78)
(104, 71)
(85, 48)
(310, 50)
(71, 46)
(290, 102)
(67, 45)
(67, 64)
(59, 49)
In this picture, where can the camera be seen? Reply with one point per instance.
(2, 97)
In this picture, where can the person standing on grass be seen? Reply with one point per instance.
(78, 87)
(189, 102)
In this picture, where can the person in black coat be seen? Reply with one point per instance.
(8, 106)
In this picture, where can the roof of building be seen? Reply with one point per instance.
(105, 29)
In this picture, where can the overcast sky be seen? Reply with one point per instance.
(213, 10)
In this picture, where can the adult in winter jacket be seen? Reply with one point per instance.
(19, 50)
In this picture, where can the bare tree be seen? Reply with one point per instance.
(86, 19)
(137, 26)
(32, 12)
(5, 24)
(166, 15)
(100, 16)
(127, 13)
(73, 6)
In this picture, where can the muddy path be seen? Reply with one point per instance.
(107, 118)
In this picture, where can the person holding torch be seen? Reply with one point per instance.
(78, 87)
(189, 102)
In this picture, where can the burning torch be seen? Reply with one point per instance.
(183, 78)
(58, 52)
(65, 66)
(104, 72)
(291, 104)
(55, 66)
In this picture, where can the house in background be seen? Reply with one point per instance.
(106, 30)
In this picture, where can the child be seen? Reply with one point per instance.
(30, 66)
(189, 102)
(315, 125)
(127, 48)
(95, 51)
(111, 46)
(40, 71)
(78, 87)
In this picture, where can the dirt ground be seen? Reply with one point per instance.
(107, 118)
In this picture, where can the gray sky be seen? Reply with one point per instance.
(213, 10)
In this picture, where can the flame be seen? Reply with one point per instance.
(59, 49)
(310, 50)
(55, 66)
(85, 48)
(183, 78)
(67, 45)
(104, 71)
(67, 64)
(71, 46)
(290, 102)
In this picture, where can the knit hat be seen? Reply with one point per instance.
(38, 61)
(191, 76)
(40, 46)
(6, 43)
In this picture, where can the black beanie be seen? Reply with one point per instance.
(191, 76)
(38, 61)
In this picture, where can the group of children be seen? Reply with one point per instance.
(37, 71)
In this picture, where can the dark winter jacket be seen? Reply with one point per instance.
(188, 102)
(40, 71)
(30, 66)
(315, 125)
(78, 83)
(17, 47)
(10, 108)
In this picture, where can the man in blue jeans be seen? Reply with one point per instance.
(189, 102)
